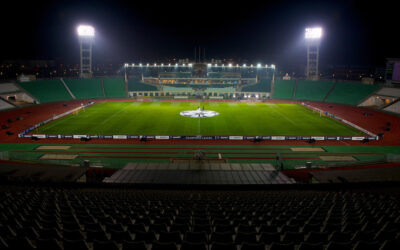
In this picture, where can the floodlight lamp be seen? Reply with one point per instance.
(259, 65)
(313, 33)
(85, 30)
(190, 65)
(273, 66)
(140, 65)
(162, 64)
(216, 65)
(126, 65)
(230, 65)
(147, 65)
(209, 65)
(244, 65)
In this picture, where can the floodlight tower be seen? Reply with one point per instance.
(86, 38)
(313, 40)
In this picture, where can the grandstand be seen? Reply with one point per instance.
(135, 84)
(85, 88)
(313, 90)
(5, 105)
(351, 93)
(47, 90)
(284, 89)
(114, 87)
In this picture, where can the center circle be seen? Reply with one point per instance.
(199, 113)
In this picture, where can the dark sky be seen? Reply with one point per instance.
(355, 32)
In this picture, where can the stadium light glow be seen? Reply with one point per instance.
(216, 65)
(190, 65)
(140, 65)
(209, 65)
(176, 65)
(259, 65)
(126, 65)
(273, 66)
(244, 65)
(230, 65)
(85, 30)
(313, 33)
(147, 65)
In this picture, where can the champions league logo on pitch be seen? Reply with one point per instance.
(199, 113)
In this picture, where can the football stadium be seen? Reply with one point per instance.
(199, 154)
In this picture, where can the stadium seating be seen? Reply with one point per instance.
(350, 92)
(47, 90)
(283, 89)
(89, 218)
(227, 89)
(8, 88)
(176, 89)
(264, 85)
(114, 87)
(5, 105)
(85, 88)
(394, 108)
(312, 90)
(134, 84)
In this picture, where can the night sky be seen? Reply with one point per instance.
(355, 32)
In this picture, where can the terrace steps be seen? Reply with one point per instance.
(66, 87)
(330, 91)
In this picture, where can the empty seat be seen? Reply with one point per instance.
(104, 245)
(134, 245)
(246, 238)
(294, 237)
(147, 237)
(317, 237)
(282, 246)
(221, 237)
(163, 246)
(166, 237)
(268, 238)
(75, 245)
(193, 246)
(48, 244)
(120, 236)
(92, 235)
(246, 228)
(333, 245)
(311, 246)
(371, 245)
(157, 228)
(341, 237)
(223, 246)
(252, 246)
(196, 237)
(72, 235)
(136, 227)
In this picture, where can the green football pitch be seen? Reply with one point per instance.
(163, 118)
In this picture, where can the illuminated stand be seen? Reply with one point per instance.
(86, 38)
(313, 40)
